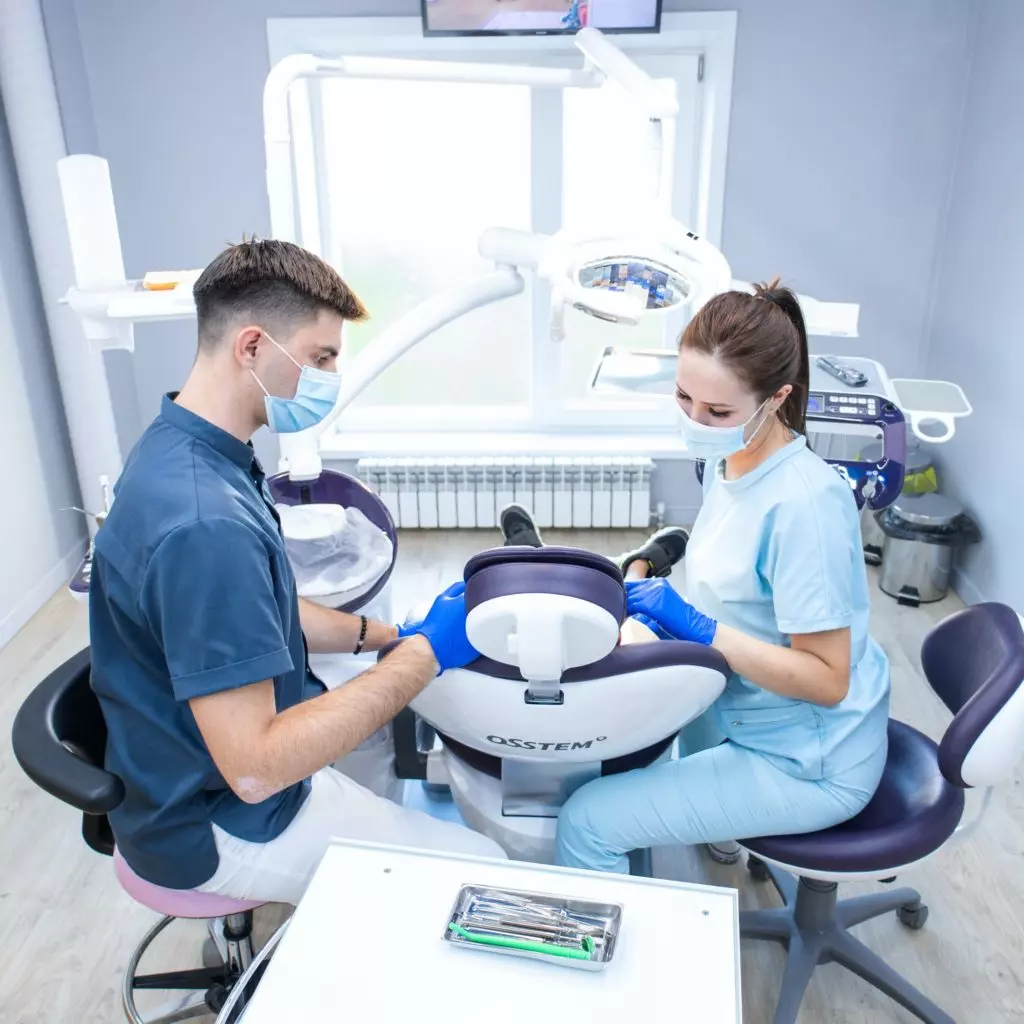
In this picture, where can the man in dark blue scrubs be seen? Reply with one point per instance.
(199, 640)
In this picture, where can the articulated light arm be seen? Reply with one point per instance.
(300, 453)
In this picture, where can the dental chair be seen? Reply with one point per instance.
(59, 738)
(554, 701)
(974, 661)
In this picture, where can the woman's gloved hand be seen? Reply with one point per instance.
(445, 629)
(654, 601)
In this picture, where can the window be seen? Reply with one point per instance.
(396, 180)
(407, 204)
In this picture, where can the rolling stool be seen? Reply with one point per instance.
(974, 661)
(59, 738)
(187, 904)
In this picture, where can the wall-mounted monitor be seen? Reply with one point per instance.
(538, 17)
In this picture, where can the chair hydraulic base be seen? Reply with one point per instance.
(212, 983)
(814, 927)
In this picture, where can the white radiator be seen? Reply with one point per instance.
(469, 493)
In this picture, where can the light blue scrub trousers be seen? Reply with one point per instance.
(715, 794)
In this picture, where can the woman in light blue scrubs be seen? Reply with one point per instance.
(774, 580)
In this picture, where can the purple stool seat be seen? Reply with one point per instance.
(183, 903)
(913, 812)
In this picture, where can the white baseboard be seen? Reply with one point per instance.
(34, 600)
(965, 588)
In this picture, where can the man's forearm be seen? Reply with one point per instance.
(333, 632)
(311, 735)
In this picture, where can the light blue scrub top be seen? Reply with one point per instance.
(776, 553)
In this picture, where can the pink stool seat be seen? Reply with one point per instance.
(186, 903)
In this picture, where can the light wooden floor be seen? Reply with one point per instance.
(66, 929)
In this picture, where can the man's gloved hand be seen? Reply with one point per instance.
(409, 627)
(445, 629)
(654, 601)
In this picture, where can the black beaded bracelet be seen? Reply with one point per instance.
(364, 625)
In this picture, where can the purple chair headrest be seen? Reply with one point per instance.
(974, 661)
(567, 572)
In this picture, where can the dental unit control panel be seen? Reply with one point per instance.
(875, 484)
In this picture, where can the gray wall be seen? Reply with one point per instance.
(841, 148)
(976, 335)
(40, 543)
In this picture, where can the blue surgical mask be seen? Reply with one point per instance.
(315, 396)
(714, 443)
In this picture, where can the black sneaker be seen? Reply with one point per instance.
(519, 529)
(661, 551)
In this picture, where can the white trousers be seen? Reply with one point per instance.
(337, 807)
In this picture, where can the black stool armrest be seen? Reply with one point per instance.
(58, 737)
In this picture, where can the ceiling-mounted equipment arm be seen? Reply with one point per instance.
(603, 54)
(657, 101)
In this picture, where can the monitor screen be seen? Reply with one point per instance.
(537, 17)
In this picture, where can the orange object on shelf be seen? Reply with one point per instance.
(167, 280)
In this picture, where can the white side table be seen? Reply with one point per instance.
(365, 944)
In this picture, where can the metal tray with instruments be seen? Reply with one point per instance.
(560, 930)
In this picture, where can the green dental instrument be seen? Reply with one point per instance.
(584, 953)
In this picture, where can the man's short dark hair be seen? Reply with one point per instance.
(277, 285)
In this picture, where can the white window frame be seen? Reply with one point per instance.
(707, 35)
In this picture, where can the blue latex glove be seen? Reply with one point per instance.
(657, 601)
(445, 629)
(409, 628)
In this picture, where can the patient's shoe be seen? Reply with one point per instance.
(519, 529)
(661, 551)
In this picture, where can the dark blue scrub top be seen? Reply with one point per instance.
(191, 594)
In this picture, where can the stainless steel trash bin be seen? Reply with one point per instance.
(922, 534)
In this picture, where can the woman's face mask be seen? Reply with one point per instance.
(315, 396)
(714, 443)
(708, 385)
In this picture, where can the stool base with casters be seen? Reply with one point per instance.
(814, 927)
(213, 983)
